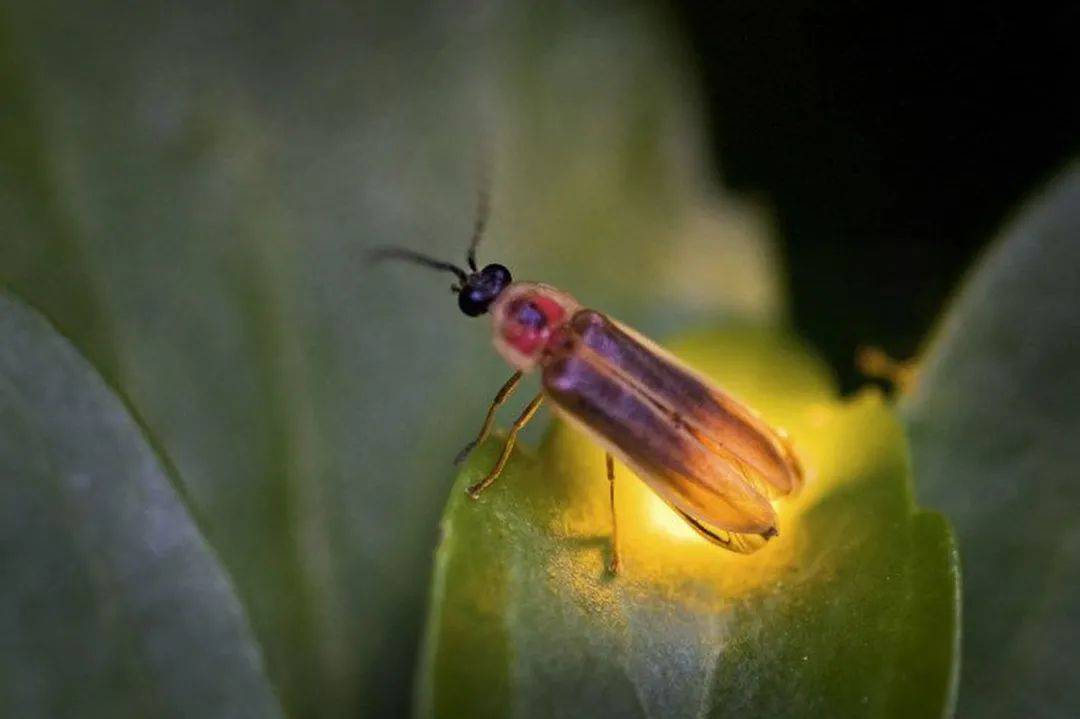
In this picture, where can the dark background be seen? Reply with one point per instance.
(891, 145)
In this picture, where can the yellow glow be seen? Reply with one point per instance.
(664, 519)
(658, 549)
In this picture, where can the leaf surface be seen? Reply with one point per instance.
(994, 419)
(113, 604)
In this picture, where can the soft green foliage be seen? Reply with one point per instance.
(186, 193)
(187, 190)
(850, 612)
(111, 602)
(994, 422)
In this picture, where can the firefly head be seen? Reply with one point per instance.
(481, 288)
(476, 288)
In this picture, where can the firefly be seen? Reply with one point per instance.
(711, 458)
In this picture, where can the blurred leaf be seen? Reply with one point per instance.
(994, 421)
(851, 611)
(39, 254)
(112, 603)
(186, 189)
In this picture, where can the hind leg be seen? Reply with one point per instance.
(614, 566)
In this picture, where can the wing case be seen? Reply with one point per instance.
(708, 456)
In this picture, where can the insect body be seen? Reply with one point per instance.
(709, 457)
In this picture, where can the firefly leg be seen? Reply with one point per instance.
(875, 363)
(511, 438)
(614, 566)
(500, 398)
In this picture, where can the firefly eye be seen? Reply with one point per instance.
(481, 288)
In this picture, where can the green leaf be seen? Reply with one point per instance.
(112, 603)
(187, 190)
(851, 611)
(994, 421)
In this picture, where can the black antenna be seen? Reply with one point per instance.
(483, 207)
(483, 211)
(402, 253)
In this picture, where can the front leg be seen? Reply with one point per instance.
(500, 399)
(511, 439)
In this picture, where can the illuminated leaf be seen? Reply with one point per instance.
(994, 423)
(112, 603)
(851, 611)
